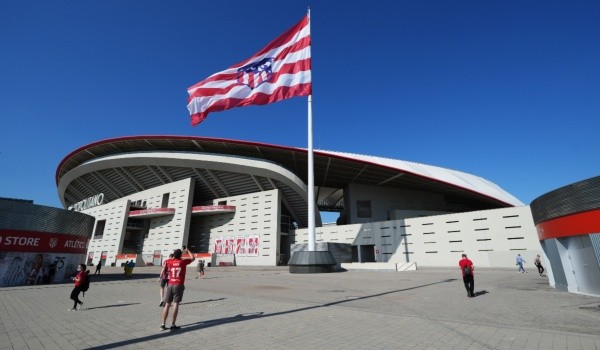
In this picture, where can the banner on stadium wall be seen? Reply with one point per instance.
(229, 245)
(224, 246)
(218, 245)
(148, 259)
(157, 258)
(240, 245)
(90, 258)
(252, 245)
(34, 241)
(126, 256)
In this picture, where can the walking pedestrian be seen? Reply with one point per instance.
(200, 268)
(466, 268)
(78, 286)
(176, 268)
(520, 262)
(538, 263)
(131, 266)
(163, 278)
(98, 267)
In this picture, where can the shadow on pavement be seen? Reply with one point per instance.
(201, 301)
(105, 277)
(248, 317)
(481, 292)
(107, 306)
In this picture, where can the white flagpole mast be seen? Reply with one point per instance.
(311, 173)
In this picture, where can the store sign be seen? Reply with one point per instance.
(88, 203)
(33, 241)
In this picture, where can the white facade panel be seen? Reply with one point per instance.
(165, 233)
(490, 238)
(256, 214)
(114, 215)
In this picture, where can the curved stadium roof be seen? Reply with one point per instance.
(123, 166)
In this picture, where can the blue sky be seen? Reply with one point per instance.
(506, 90)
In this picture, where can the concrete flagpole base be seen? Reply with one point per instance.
(312, 262)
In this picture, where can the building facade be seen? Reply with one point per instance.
(491, 238)
(568, 225)
(150, 224)
(40, 244)
(247, 201)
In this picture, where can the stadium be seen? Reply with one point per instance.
(152, 194)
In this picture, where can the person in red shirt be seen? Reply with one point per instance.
(79, 279)
(466, 268)
(176, 269)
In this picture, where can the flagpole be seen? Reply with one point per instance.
(311, 260)
(311, 172)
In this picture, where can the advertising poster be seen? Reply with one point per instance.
(24, 269)
(103, 256)
(90, 258)
(253, 245)
(148, 259)
(218, 245)
(157, 258)
(240, 246)
(229, 245)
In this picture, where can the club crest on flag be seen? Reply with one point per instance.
(256, 73)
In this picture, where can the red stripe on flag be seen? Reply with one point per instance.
(280, 93)
(279, 41)
(298, 46)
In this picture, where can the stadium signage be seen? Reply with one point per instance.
(88, 203)
(36, 241)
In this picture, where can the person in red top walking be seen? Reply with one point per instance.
(466, 267)
(176, 269)
(79, 279)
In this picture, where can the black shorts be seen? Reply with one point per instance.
(163, 282)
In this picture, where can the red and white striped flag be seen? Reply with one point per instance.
(280, 70)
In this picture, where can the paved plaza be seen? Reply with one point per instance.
(269, 308)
